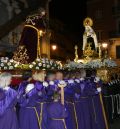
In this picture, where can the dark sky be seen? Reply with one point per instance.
(70, 12)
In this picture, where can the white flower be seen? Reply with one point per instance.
(43, 60)
(47, 61)
(34, 63)
(30, 66)
(37, 68)
(11, 67)
(40, 64)
(16, 65)
(51, 62)
(2, 64)
(37, 59)
(44, 65)
(51, 83)
(6, 58)
(5, 68)
(48, 66)
(11, 60)
(9, 64)
(2, 58)
(45, 84)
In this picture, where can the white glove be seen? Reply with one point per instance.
(45, 84)
(7, 88)
(29, 87)
(97, 79)
(99, 89)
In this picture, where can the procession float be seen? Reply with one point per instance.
(28, 55)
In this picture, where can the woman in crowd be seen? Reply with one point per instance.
(8, 100)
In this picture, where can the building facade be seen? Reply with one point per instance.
(106, 17)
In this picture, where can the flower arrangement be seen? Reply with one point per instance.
(108, 63)
(7, 64)
(73, 65)
(45, 63)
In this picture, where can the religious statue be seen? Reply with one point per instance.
(31, 38)
(89, 33)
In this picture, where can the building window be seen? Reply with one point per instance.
(118, 52)
(99, 14)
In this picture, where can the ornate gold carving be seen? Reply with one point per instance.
(88, 21)
(76, 54)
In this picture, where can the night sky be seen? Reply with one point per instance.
(70, 12)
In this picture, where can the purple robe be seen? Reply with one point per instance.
(28, 114)
(56, 115)
(8, 100)
(96, 108)
(32, 113)
(82, 107)
(69, 95)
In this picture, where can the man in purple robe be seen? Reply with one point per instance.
(8, 100)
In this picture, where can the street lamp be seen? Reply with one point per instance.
(105, 47)
(54, 47)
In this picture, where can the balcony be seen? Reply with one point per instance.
(114, 34)
(116, 10)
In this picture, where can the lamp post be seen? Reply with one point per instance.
(105, 46)
(54, 47)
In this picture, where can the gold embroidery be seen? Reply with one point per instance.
(63, 120)
(76, 119)
(38, 40)
(35, 113)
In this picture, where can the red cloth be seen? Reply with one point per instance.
(16, 81)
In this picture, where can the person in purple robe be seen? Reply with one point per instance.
(26, 77)
(41, 87)
(68, 96)
(28, 113)
(82, 100)
(50, 78)
(98, 119)
(8, 100)
(57, 113)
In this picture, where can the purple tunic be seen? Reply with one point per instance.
(32, 111)
(69, 96)
(56, 116)
(28, 114)
(8, 99)
(96, 108)
(81, 101)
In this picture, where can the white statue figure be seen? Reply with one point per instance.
(89, 32)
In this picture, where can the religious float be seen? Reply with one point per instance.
(28, 55)
(25, 58)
